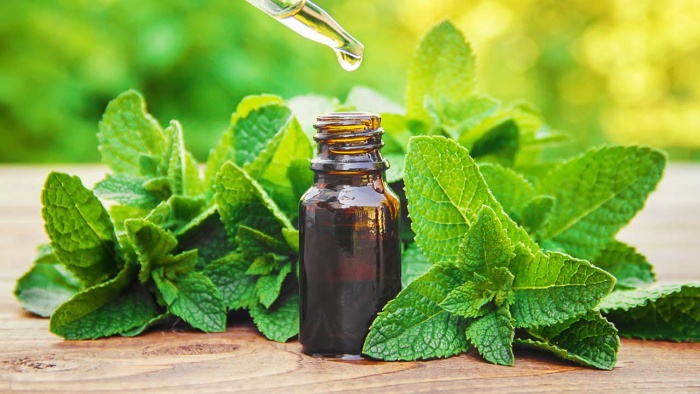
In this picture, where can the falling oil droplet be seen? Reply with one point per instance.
(348, 61)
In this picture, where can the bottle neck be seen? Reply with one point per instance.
(329, 179)
(349, 142)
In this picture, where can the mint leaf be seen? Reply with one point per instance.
(80, 229)
(492, 335)
(442, 70)
(413, 264)
(597, 193)
(629, 267)
(300, 178)
(194, 298)
(307, 107)
(254, 243)
(555, 287)
(500, 144)
(414, 326)
(255, 131)
(207, 235)
(457, 118)
(365, 99)
(176, 213)
(183, 171)
(536, 215)
(153, 247)
(130, 138)
(268, 287)
(227, 146)
(45, 286)
(280, 322)
(470, 298)
(127, 190)
(511, 189)
(588, 340)
(91, 313)
(486, 245)
(229, 275)
(445, 192)
(670, 311)
(242, 201)
(293, 147)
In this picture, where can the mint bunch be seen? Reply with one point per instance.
(515, 250)
(175, 243)
(502, 248)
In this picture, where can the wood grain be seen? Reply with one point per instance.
(172, 360)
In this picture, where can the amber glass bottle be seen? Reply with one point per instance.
(350, 257)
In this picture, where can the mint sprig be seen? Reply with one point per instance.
(502, 248)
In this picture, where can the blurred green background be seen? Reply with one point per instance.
(619, 71)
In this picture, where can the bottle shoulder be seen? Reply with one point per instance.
(347, 195)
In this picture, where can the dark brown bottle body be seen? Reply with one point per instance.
(349, 242)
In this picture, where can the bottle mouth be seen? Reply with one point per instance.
(347, 122)
(349, 141)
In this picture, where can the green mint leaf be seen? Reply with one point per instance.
(300, 178)
(445, 193)
(413, 325)
(486, 245)
(629, 267)
(46, 285)
(413, 264)
(151, 244)
(555, 287)
(280, 322)
(225, 150)
(442, 70)
(219, 155)
(195, 299)
(268, 287)
(126, 190)
(141, 329)
(457, 118)
(254, 132)
(365, 99)
(292, 237)
(511, 189)
(500, 144)
(207, 235)
(128, 134)
(229, 275)
(307, 107)
(492, 335)
(469, 299)
(670, 311)
(183, 171)
(294, 147)
(80, 229)
(242, 201)
(91, 313)
(254, 243)
(536, 214)
(598, 193)
(176, 213)
(262, 265)
(589, 340)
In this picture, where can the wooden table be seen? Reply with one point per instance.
(32, 359)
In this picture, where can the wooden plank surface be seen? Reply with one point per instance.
(173, 360)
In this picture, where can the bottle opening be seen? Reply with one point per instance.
(349, 141)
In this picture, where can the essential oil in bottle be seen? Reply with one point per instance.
(350, 257)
